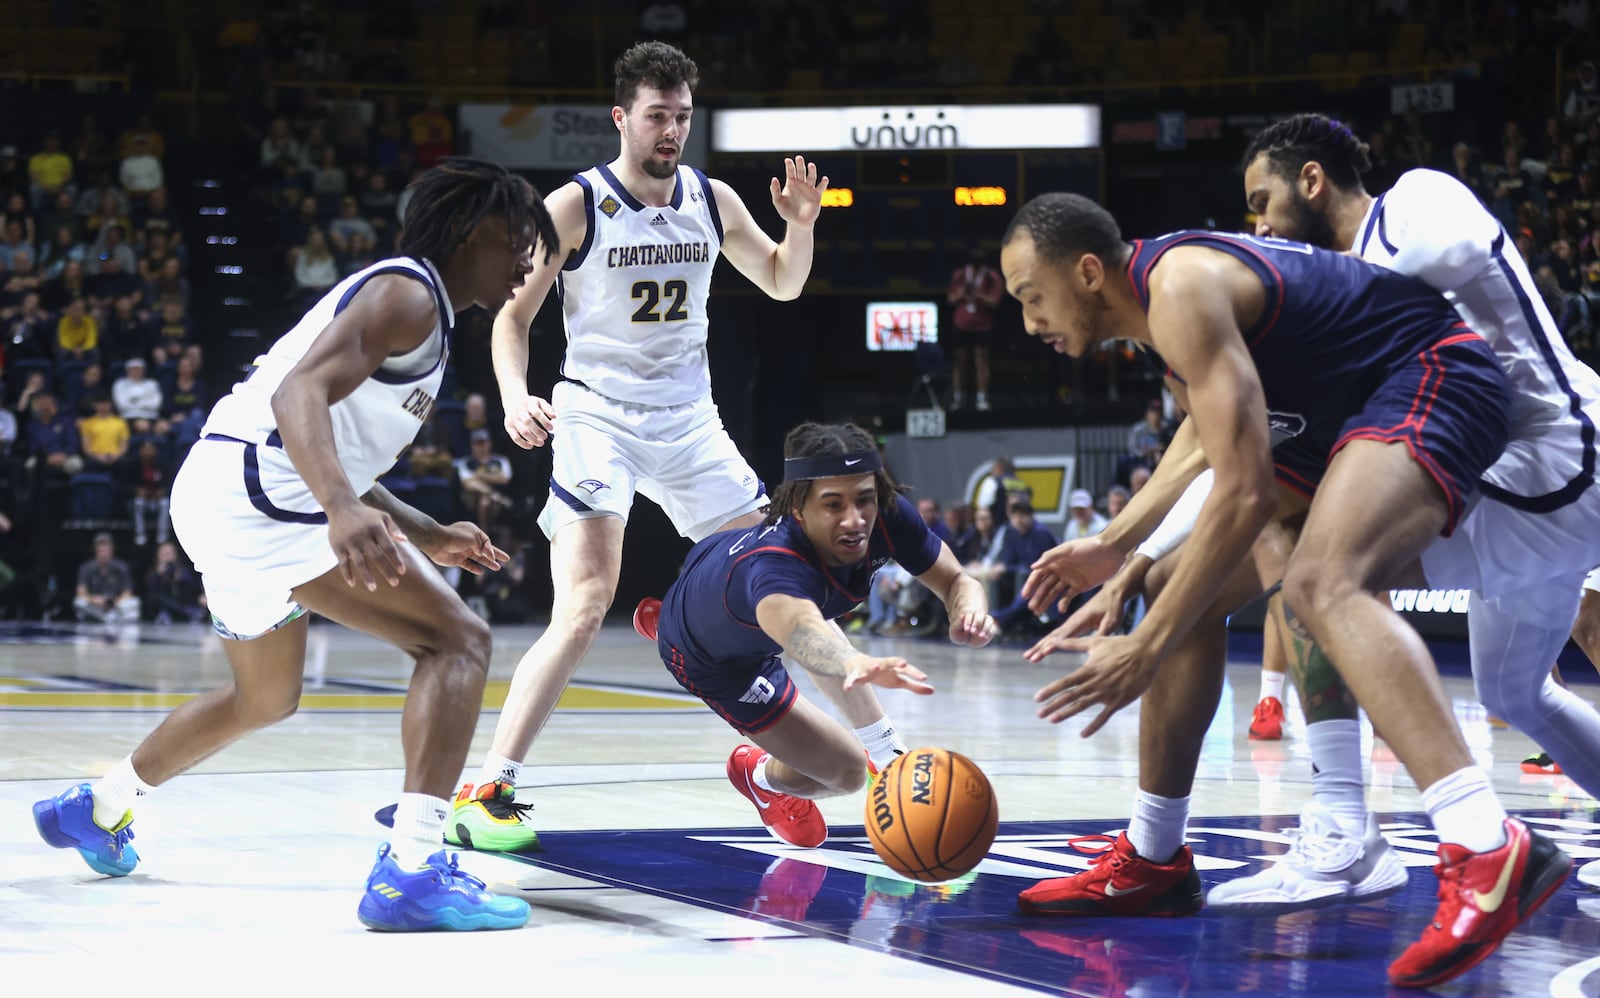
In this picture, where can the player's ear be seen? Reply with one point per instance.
(1091, 271)
(1313, 181)
(618, 115)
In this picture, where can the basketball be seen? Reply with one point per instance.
(931, 815)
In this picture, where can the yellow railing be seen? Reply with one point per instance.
(38, 81)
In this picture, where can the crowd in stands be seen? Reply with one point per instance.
(104, 381)
(103, 387)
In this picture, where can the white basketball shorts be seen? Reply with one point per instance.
(679, 457)
(1532, 564)
(248, 560)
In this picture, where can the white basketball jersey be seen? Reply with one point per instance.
(634, 294)
(371, 425)
(1431, 226)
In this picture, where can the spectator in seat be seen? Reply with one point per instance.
(483, 475)
(105, 588)
(172, 592)
(137, 396)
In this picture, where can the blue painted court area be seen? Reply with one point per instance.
(842, 892)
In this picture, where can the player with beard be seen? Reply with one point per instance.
(1385, 412)
(636, 414)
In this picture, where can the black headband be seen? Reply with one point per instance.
(831, 465)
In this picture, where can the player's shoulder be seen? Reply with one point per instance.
(1424, 186)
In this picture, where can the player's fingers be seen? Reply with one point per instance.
(822, 185)
(1099, 721)
(499, 557)
(363, 573)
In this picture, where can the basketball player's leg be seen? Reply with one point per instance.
(1586, 629)
(812, 754)
(1375, 511)
(449, 646)
(585, 563)
(1513, 638)
(267, 675)
(415, 885)
(1149, 871)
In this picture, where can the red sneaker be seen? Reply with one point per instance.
(1267, 723)
(1121, 882)
(1482, 897)
(794, 820)
(645, 617)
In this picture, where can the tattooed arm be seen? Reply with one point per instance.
(806, 638)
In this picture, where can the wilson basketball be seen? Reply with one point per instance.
(931, 815)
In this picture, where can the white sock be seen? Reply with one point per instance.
(1464, 810)
(1157, 829)
(116, 792)
(418, 829)
(759, 776)
(1336, 772)
(499, 768)
(881, 741)
(1271, 684)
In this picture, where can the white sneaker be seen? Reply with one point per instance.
(1589, 874)
(1324, 866)
(983, 402)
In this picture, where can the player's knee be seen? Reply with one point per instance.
(473, 640)
(850, 776)
(1311, 591)
(261, 706)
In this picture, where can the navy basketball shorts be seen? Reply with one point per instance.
(750, 699)
(1449, 406)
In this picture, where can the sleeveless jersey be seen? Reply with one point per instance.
(371, 426)
(1429, 225)
(1332, 330)
(634, 294)
(709, 614)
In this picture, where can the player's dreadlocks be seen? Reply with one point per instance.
(825, 440)
(458, 193)
(652, 64)
(1293, 142)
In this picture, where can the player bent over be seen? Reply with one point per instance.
(747, 596)
(279, 506)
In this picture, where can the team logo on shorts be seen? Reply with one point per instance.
(609, 205)
(760, 691)
(592, 486)
(1285, 426)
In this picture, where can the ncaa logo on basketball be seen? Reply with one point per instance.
(922, 779)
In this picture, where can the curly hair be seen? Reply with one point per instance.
(823, 440)
(652, 64)
(1293, 142)
(449, 200)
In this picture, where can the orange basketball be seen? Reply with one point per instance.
(931, 815)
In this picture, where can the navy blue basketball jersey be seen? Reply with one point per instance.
(1333, 329)
(709, 615)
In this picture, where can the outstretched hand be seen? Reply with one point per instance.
(1117, 672)
(891, 673)
(973, 630)
(798, 197)
(1067, 569)
(464, 545)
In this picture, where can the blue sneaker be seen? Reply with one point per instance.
(439, 896)
(66, 821)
